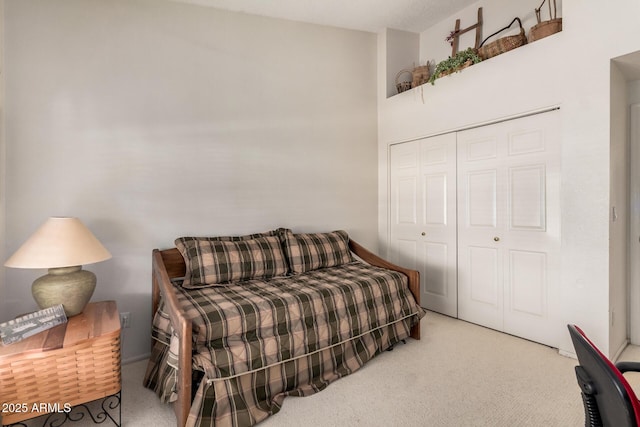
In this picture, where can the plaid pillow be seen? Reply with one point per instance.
(307, 252)
(277, 232)
(210, 261)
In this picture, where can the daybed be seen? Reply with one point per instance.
(242, 322)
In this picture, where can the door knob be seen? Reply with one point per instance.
(496, 239)
(423, 233)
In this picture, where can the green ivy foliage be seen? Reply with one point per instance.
(453, 63)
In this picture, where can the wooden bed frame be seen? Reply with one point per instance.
(169, 264)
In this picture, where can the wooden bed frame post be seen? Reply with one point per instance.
(412, 275)
(161, 273)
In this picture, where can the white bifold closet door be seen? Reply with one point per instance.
(509, 226)
(423, 217)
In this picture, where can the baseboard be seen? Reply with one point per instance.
(617, 354)
(567, 353)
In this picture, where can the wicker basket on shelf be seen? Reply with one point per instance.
(421, 75)
(546, 28)
(403, 85)
(503, 44)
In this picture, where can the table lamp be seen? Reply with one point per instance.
(62, 245)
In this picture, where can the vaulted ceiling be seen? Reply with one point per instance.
(364, 15)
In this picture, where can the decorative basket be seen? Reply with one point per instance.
(86, 371)
(503, 44)
(546, 28)
(421, 75)
(402, 86)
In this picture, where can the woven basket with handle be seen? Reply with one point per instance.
(421, 75)
(503, 44)
(546, 28)
(403, 85)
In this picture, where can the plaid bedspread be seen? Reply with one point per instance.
(328, 321)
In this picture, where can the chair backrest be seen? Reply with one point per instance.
(608, 398)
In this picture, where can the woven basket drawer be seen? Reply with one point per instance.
(69, 376)
(86, 370)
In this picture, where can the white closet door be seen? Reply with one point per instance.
(423, 217)
(509, 226)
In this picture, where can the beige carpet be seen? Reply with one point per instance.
(459, 374)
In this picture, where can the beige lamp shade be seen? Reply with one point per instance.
(59, 242)
(62, 245)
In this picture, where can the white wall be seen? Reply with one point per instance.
(2, 156)
(570, 69)
(150, 120)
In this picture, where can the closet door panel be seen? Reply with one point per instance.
(480, 188)
(407, 205)
(483, 275)
(532, 263)
(527, 198)
(404, 204)
(406, 253)
(438, 228)
(482, 198)
(509, 186)
(435, 271)
(404, 186)
(528, 282)
(481, 271)
(435, 191)
(423, 180)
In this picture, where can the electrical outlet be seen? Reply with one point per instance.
(125, 319)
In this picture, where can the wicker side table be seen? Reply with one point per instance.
(65, 366)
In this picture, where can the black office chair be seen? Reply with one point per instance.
(609, 400)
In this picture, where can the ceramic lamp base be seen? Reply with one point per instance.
(70, 286)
